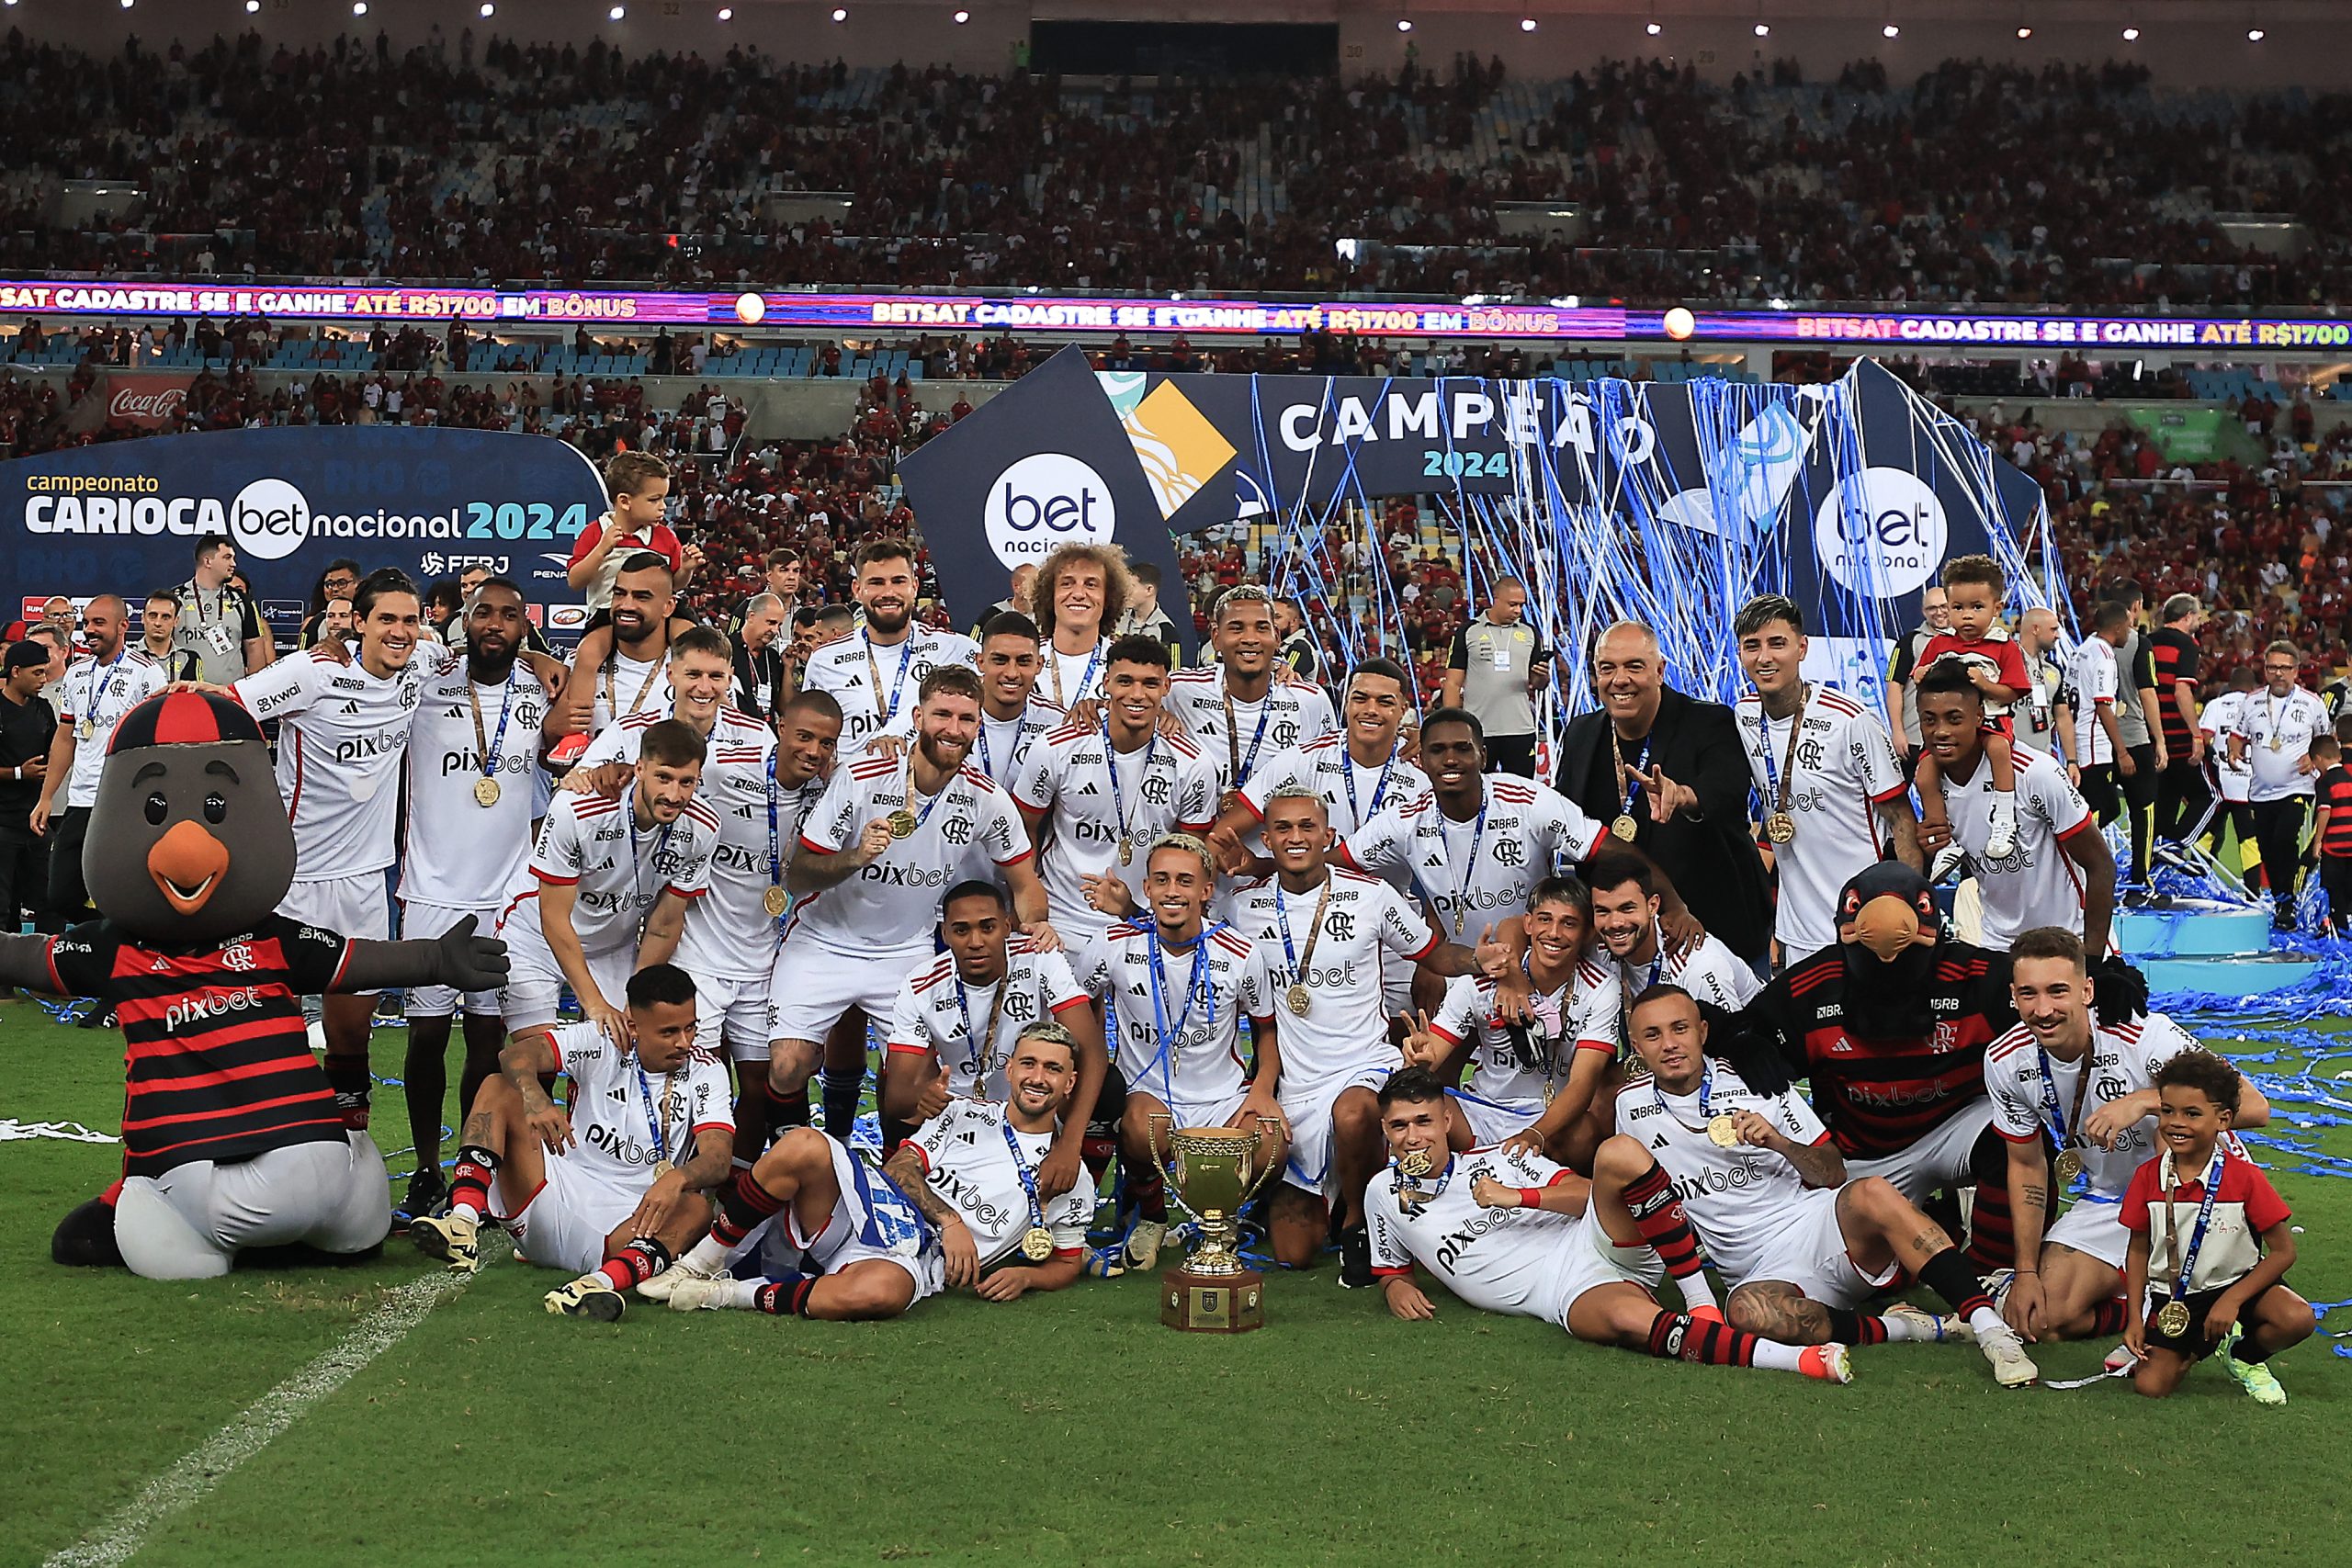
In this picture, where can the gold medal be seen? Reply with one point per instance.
(1298, 1000)
(84, 731)
(2070, 1166)
(1126, 853)
(2172, 1319)
(1779, 827)
(1624, 827)
(485, 792)
(1037, 1244)
(2275, 743)
(1414, 1164)
(775, 901)
(662, 1167)
(1723, 1132)
(903, 824)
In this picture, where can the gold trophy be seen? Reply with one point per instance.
(1209, 1173)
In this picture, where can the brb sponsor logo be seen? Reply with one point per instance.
(1883, 536)
(1044, 502)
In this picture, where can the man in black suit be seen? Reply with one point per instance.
(1648, 740)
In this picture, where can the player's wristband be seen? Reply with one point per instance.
(1531, 1197)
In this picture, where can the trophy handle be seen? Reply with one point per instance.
(1267, 1172)
(1157, 1124)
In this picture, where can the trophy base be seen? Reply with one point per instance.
(1213, 1303)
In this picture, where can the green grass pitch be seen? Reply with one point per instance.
(1075, 1429)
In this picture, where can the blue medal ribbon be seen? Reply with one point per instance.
(929, 806)
(2050, 1089)
(1706, 1089)
(1093, 662)
(99, 688)
(1245, 766)
(1196, 988)
(1022, 1169)
(1470, 861)
(656, 1126)
(1111, 766)
(2186, 1263)
(1634, 776)
(498, 737)
(1348, 779)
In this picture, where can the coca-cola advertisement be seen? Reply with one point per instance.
(145, 400)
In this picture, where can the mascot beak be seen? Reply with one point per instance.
(188, 864)
(1886, 925)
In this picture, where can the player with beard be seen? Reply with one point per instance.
(1095, 795)
(1835, 799)
(889, 837)
(1014, 716)
(1174, 989)
(876, 672)
(1332, 928)
(472, 762)
(1509, 1230)
(1767, 1195)
(1080, 589)
(1238, 714)
(342, 736)
(1889, 1028)
(616, 669)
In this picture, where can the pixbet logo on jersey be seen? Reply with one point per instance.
(1044, 502)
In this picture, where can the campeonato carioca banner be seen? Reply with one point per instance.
(124, 516)
(1161, 318)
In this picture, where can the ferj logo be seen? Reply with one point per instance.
(1181, 451)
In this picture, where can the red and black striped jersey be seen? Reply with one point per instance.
(1879, 1097)
(218, 1062)
(2175, 658)
(2334, 790)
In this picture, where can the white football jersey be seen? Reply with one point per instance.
(626, 1119)
(1843, 768)
(1088, 792)
(2122, 1060)
(2279, 732)
(1479, 873)
(2037, 885)
(457, 853)
(620, 868)
(939, 1014)
(2093, 676)
(1001, 743)
(1254, 733)
(2218, 721)
(626, 688)
(1354, 794)
(1519, 1261)
(1738, 1199)
(1205, 992)
(91, 700)
(342, 737)
(1346, 1026)
(730, 933)
(967, 831)
(1069, 679)
(875, 684)
(970, 1164)
(1501, 1073)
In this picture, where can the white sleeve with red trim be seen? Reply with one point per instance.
(709, 1102)
(835, 821)
(1196, 793)
(283, 689)
(1000, 829)
(1463, 1008)
(1596, 1012)
(1402, 928)
(1036, 777)
(1068, 1217)
(1383, 844)
(1256, 992)
(577, 1047)
(1059, 985)
(561, 853)
(1577, 836)
(1871, 751)
(2017, 1106)
(908, 1031)
(1284, 769)
(1390, 1256)
(930, 1139)
(693, 878)
(2053, 799)
(613, 743)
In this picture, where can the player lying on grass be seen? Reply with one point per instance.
(1801, 1246)
(613, 1186)
(1511, 1231)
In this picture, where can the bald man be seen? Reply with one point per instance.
(1668, 775)
(99, 687)
(2041, 720)
(760, 689)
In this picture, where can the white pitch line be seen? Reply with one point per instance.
(204, 1467)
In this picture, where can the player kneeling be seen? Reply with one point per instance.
(1510, 1232)
(598, 1189)
(1767, 1195)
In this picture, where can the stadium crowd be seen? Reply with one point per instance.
(489, 159)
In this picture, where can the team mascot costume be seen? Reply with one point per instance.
(231, 1135)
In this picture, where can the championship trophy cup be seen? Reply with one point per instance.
(1210, 1176)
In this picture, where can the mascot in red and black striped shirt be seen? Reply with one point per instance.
(231, 1135)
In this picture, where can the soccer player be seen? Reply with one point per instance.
(612, 1186)
(616, 669)
(1834, 799)
(606, 891)
(1519, 1068)
(959, 1016)
(1174, 990)
(877, 672)
(2224, 1291)
(1332, 928)
(1507, 1231)
(2233, 776)
(1080, 589)
(2273, 734)
(472, 761)
(1014, 718)
(2100, 751)
(1766, 1194)
(1238, 713)
(99, 687)
(2059, 871)
(976, 1172)
(1094, 795)
(342, 736)
(2061, 1075)
(888, 834)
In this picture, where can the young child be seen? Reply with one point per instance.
(2332, 831)
(2234, 1248)
(1975, 589)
